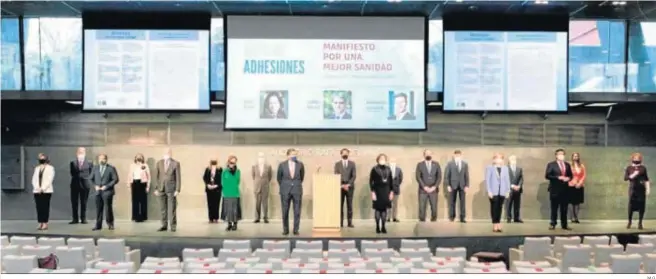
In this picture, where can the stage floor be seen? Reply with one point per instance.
(363, 229)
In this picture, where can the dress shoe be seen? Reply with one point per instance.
(433, 219)
(296, 233)
(383, 230)
(285, 232)
(567, 228)
(234, 227)
(83, 222)
(256, 221)
(162, 229)
(395, 220)
(351, 226)
(508, 221)
(576, 221)
(450, 220)
(73, 222)
(266, 221)
(552, 227)
(173, 229)
(96, 229)
(388, 220)
(111, 227)
(377, 230)
(463, 221)
(422, 220)
(519, 221)
(229, 227)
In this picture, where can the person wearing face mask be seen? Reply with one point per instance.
(576, 186)
(382, 191)
(559, 173)
(44, 175)
(516, 190)
(104, 177)
(167, 180)
(230, 180)
(213, 189)
(345, 168)
(80, 170)
(397, 179)
(139, 185)
(428, 175)
(497, 183)
(262, 173)
(290, 176)
(639, 188)
(456, 180)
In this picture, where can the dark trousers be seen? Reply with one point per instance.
(79, 198)
(164, 199)
(104, 202)
(213, 204)
(286, 200)
(431, 199)
(42, 202)
(496, 206)
(347, 196)
(513, 204)
(139, 201)
(457, 195)
(559, 204)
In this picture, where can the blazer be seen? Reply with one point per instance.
(262, 178)
(556, 186)
(397, 179)
(347, 175)
(497, 184)
(290, 184)
(455, 178)
(47, 178)
(426, 178)
(167, 180)
(517, 178)
(207, 178)
(145, 173)
(108, 178)
(80, 173)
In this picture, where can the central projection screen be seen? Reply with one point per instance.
(323, 73)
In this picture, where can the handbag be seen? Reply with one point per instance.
(49, 262)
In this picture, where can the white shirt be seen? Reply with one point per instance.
(345, 163)
(428, 165)
(47, 178)
(136, 172)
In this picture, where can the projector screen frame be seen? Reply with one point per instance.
(424, 65)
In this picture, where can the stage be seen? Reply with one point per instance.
(475, 235)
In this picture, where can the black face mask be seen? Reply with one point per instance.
(637, 162)
(213, 163)
(140, 160)
(344, 157)
(42, 161)
(428, 158)
(232, 166)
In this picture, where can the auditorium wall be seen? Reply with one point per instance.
(195, 139)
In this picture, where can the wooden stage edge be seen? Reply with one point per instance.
(363, 229)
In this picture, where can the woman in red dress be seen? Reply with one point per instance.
(576, 186)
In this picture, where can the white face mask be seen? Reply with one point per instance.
(260, 161)
(457, 159)
(513, 163)
(498, 161)
(81, 157)
(392, 165)
(382, 162)
(166, 156)
(560, 157)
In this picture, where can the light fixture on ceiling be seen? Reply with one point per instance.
(600, 105)
(394, 1)
(435, 104)
(217, 103)
(460, 1)
(77, 103)
(575, 104)
(543, 2)
(619, 3)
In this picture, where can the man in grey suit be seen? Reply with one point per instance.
(104, 177)
(428, 175)
(397, 179)
(262, 174)
(456, 180)
(516, 190)
(167, 179)
(290, 179)
(345, 168)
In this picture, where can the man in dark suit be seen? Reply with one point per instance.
(456, 180)
(397, 179)
(339, 108)
(401, 111)
(80, 170)
(559, 173)
(346, 170)
(516, 190)
(167, 180)
(290, 179)
(104, 177)
(428, 175)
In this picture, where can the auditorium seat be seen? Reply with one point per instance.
(602, 253)
(54, 271)
(9, 250)
(4, 240)
(414, 262)
(241, 244)
(573, 256)
(270, 253)
(277, 263)
(231, 262)
(322, 271)
(341, 244)
(73, 257)
(206, 265)
(105, 271)
(625, 263)
(308, 245)
(649, 263)
(297, 267)
(485, 264)
(244, 267)
(453, 252)
(224, 254)
(161, 265)
(347, 267)
(323, 262)
(414, 243)
(212, 271)
(596, 240)
(529, 264)
(525, 270)
(188, 253)
(40, 251)
(559, 243)
(278, 244)
(23, 240)
(422, 253)
(455, 266)
(260, 271)
(431, 270)
(158, 271)
(384, 253)
(88, 244)
(19, 264)
(115, 250)
(306, 254)
(52, 241)
(448, 259)
(370, 262)
(641, 249)
(161, 260)
(373, 271)
(590, 269)
(373, 244)
(647, 238)
(200, 261)
(534, 249)
(343, 254)
(472, 270)
(115, 265)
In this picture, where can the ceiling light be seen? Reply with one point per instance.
(434, 104)
(77, 103)
(217, 103)
(394, 1)
(619, 3)
(541, 2)
(459, 1)
(600, 104)
(575, 104)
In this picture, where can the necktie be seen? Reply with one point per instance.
(428, 166)
(562, 167)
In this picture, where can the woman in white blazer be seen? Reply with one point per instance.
(44, 175)
(139, 184)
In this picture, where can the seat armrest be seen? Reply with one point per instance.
(134, 256)
(553, 261)
(514, 254)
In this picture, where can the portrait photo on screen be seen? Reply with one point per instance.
(273, 104)
(401, 105)
(337, 104)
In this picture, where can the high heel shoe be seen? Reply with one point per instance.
(377, 230)
(229, 227)
(234, 226)
(383, 230)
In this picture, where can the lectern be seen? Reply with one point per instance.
(325, 200)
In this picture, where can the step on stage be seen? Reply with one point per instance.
(475, 235)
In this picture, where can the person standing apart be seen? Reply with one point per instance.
(497, 183)
(558, 173)
(397, 180)
(639, 188)
(291, 174)
(167, 188)
(230, 180)
(428, 175)
(576, 195)
(262, 173)
(104, 177)
(212, 179)
(456, 180)
(382, 191)
(42, 179)
(80, 170)
(139, 185)
(516, 189)
(345, 168)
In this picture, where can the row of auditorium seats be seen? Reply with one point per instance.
(537, 255)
